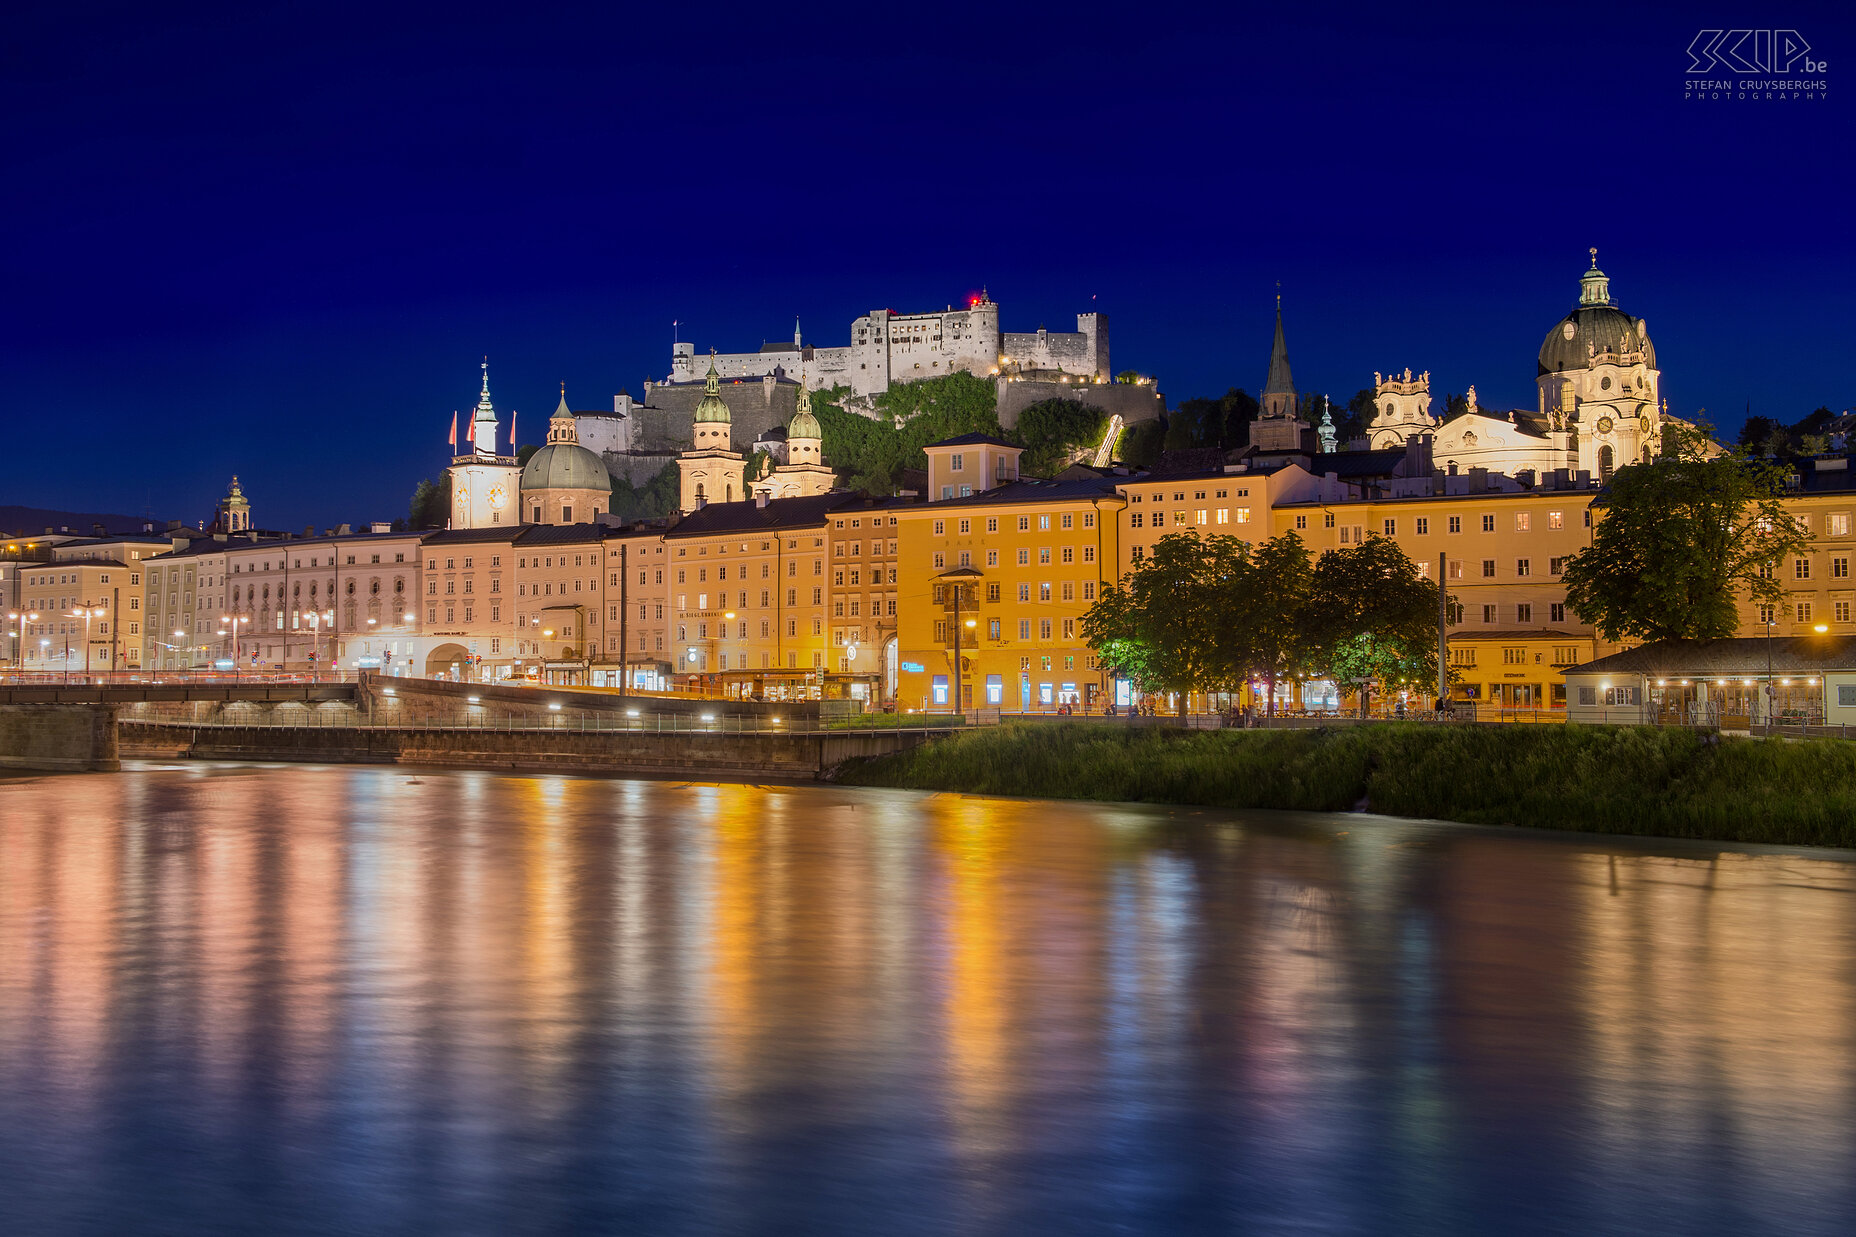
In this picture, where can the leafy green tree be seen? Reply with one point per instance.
(1141, 444)
(1682, 538)
(1373, 617)
(1222, 422)
(1360, 412)
(431, 503)
(870, 453)
(1053, 430)
(653, 500)
(1128, 377)
(526, 452)
(1157, 626)
(1270, 637)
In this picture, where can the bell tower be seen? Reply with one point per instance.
(484, 485)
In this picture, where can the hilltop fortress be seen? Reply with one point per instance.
(888, 347)
(761, 388)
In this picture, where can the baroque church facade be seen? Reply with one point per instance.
(1599, 403)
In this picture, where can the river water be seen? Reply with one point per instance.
(363, 1000)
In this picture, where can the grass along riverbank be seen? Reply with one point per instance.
(1603, 779)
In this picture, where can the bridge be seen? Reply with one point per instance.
(92, 726)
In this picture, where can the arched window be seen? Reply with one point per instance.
(1605, 459)
(351, 588)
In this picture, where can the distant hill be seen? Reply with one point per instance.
(28, 521)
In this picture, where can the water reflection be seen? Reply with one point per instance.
(303, 1000)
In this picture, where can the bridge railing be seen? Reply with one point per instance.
(562, 723)
(121, 678)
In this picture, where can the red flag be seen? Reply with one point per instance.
(512, 431)
(454, 428)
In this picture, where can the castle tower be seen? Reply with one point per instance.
(234, 514)
(712, 471)
(484, 485)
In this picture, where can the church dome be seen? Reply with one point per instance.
(711, 408)
(566, 466)
(1594, 325)
(803, 425)
(1568, 345)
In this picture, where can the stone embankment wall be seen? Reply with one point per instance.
(58, 737)
(801, 757)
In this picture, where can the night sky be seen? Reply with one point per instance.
(277, 239)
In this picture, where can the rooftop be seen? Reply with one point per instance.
(1743, 655)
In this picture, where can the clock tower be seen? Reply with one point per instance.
(484, 485)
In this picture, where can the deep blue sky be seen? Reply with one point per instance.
(275, 240)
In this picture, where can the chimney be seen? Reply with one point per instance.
(380, 526)
(99, 530)
(1478, 480)
(344, 531)
(1418, 455)
(760, 498)
(309, 530)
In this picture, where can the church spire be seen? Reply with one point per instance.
(483, 423)
(1279, 389)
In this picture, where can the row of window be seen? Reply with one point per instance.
(964, 526)
(1047, 629)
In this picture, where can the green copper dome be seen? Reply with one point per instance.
(803, 424)
(712, 408)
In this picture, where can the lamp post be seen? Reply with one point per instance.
(233, 622)
(87, 611)
(19, 621)
(1769, 693)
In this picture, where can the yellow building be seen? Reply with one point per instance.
(1005, 573)
(1503, 555)
(1820, 591)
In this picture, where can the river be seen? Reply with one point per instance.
(285, 999)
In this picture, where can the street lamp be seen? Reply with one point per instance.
(233, 623)
(318, 620)
(19, 621)
(87, 611)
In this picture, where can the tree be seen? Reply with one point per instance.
(871, 452)
(1372, 617)
(1361, 410)
(1157, 626)
(1681, 538)
(653, 500)
(1053, 430)
(526, 452)
(1128, 377)
(1141, 443)
(431, 503)
(1267, 621)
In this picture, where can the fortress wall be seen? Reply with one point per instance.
(1131, 403)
